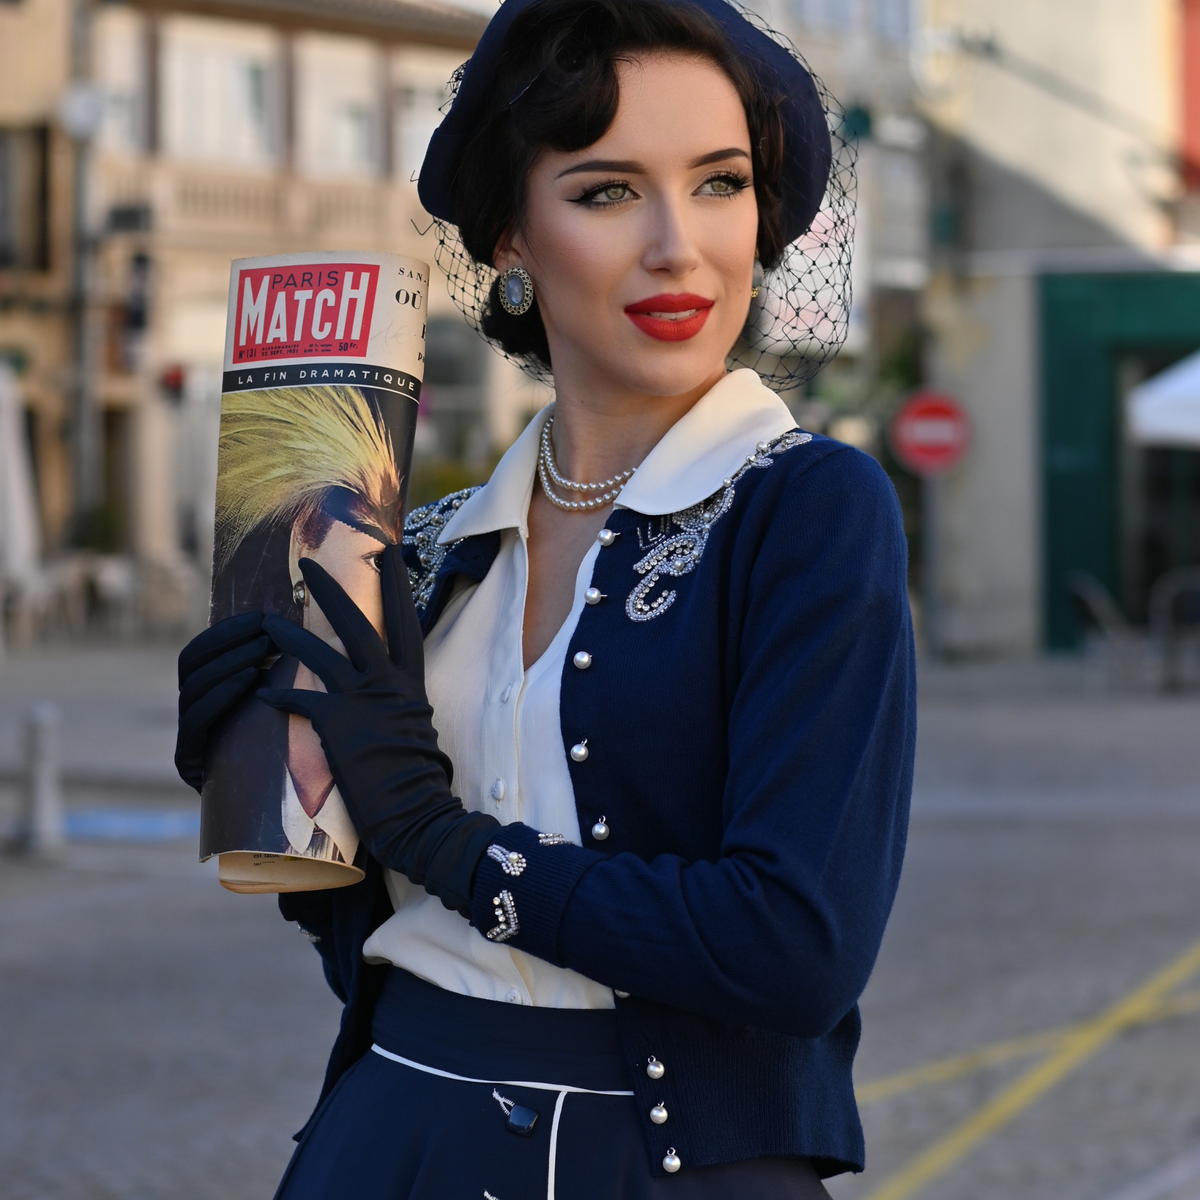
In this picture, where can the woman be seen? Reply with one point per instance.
(306, 472)
(669, 659)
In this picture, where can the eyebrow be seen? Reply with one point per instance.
(635, 168)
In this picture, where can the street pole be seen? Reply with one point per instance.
(42, 833)
(82, 112)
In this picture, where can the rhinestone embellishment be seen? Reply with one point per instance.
(421, 529)
(506, 915)
(680, 553)
(552, 839)
(511, 862)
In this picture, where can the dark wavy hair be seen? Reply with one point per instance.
(557, 88)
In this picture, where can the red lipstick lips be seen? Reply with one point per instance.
(670, 317)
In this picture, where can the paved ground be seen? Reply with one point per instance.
(1053, 867)
(163, 1038)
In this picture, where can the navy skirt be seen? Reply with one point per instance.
(463, 1099)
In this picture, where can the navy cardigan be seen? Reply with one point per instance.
(746, 730)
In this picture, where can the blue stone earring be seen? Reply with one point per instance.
(516, 291)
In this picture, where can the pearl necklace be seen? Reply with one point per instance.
(548, 471)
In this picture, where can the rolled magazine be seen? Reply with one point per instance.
(324, 355)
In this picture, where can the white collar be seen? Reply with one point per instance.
(332, 819)
(703, 448)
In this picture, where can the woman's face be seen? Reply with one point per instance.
(641, 246)
(352, 558)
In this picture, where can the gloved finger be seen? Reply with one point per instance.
(318, 656)
(194, 725)
(190, 766)
(357, 633)
(211, 707)
(250, 654)
(293, 700)
(216, 639)
(405, 639)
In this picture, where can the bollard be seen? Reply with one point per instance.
(42, 831)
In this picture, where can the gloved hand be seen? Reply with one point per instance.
(216, 669)
(376, 728)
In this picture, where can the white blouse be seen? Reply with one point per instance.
(499, 724)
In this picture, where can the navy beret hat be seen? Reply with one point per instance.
(807, 150)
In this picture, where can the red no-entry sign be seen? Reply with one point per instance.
(930, 434)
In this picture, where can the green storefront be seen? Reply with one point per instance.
(1120, 514)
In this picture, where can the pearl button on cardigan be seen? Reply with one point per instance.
(769, 695)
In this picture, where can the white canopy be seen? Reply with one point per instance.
(1165, 410)
(20, 539)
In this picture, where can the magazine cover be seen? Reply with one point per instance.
(324, 355)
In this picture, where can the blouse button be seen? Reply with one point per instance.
(671, 1163)
(513, 997)
(658, 1114)
(600, 830)
(504, 695)
(620, 995)
(593, 596)
(579, 751)
(606, 537)
(655, 1069)
(497, 792)
(582, 660)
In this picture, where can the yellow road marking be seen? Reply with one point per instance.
(1000, 1052)
(1073, 1048)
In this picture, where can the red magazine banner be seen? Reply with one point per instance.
(304, 311)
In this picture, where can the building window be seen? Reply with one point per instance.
(23, 199)
(826, 15)
(221, 92)
(892, 20)
(120, 53)
(339, 93)
(418, 114)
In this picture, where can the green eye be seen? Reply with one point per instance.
(615, 191)
(721, 185)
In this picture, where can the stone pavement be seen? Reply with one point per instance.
(1053, 867)
(163, 1038)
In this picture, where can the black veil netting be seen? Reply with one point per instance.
(799, 319)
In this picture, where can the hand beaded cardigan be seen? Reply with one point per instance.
(746, 732)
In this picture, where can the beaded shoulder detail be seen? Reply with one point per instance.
(675, 554)
(421, 529)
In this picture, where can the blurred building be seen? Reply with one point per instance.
(861, 50)
(1064, 201)
(143, 146)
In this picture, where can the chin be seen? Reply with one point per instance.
(667, 370)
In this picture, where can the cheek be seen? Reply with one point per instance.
(361, 582)
(581, 263)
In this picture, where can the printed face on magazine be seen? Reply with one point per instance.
(352, 558)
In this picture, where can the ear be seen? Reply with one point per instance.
(295, 553)
(510, 252)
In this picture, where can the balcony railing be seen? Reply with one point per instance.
(214, 203)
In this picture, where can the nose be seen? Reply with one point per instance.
(671, 247)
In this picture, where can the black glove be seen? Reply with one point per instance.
(216, 669)
(376, 728)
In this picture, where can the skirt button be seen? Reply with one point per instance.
(671, 1163)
